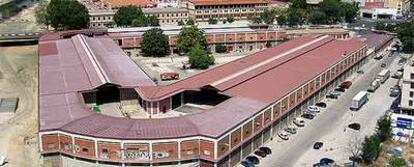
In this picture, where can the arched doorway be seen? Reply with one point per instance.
(107, 93)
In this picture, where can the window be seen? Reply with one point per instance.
(410, 103)
(412, 76)
(84, 150)
(412, 85)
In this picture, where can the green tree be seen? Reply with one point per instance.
(154, 43)
(371, 148)
(190, 37)
(254, 19)
(350, 11)
(180, 23)
(153, 21)
(268, 16)
(220, 48)
(139, 22)
(190, 21)
(380, 25)
(317, 17)
(281, 20)
(299, 4)
(126, 14)
(230, 19)
(396, 161)
(199, 59)
(295, 17)
(212, 20)
(405, 32)
(332, 9)
(67, 14)
(384, 129)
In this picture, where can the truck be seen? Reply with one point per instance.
(359, 100)
(169, 76)
(383, 75)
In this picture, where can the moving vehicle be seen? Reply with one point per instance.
(374, 85)
(253, 159)
(321, 104)
(383, 75)
(317, 145)
(313, 109)
(346, 84)
(360, 99)
(290, 130)
(299, 122)
(378, 56)
(260, 153)
(283, 135)
(354, 126)
(169, 76)
(266, 150)
(247, 163)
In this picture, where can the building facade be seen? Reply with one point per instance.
(237, 38)
(202, 10)
(168, 16)
(222, 136)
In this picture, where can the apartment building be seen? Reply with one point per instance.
(169, 15)
(202, 10)
(407, 89)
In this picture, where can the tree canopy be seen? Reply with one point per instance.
(190, 21)
(66, 15)
(190, 37)
(230, 19)
(199, 59)
(405, 32)
(384, 129)
(332, 9)
(268, 16)
(317, 17)
(154, 43)
(212, 20)
(134, 16)
(371, 148)
(396, 161)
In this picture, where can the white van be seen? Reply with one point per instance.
(3, 160)
(374, 85)
(383, 75)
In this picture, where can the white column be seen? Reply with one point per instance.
(73, 144)
(96, 149)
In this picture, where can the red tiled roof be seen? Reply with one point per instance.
(138, 3)
(371, 5)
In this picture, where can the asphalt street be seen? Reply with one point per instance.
(333, 119)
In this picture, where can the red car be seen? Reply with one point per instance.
(260, 153)
(346, 84)
(169, 76)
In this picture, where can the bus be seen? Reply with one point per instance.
(383, 75)
(360, 99)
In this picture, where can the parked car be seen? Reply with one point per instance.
(346, 84)
(332, 96)
(307, 116)
(247, 163)
(3, 160)
(395, 91)
(339, 89)
(360, 71)
(313, 109)
(290, 130)
(354, 126)
(260, 153)
(253, 159)
(317, 145)
(169, 76)
(299, 122)
(266, 150)
(321, 104)
(283, 135)
(397, 75)
(326, 161)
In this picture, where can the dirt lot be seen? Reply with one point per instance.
(24, 21)
(18, 138)
(408, 153)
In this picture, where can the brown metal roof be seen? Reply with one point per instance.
(253, 82)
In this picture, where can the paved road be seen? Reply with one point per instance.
(288, 153)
